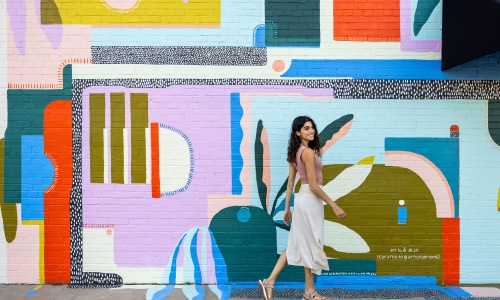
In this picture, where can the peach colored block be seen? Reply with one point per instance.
(42, 63)
(23, 254)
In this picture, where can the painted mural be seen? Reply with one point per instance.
(145, 143)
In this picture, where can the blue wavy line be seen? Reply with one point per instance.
(236, 138)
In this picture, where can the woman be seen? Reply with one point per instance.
(305, 242)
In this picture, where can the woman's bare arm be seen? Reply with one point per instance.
(307, 158)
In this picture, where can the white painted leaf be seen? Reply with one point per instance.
(349, 179)
(343, 239)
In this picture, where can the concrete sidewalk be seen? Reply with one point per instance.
(56, 292)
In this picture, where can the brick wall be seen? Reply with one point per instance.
(145, 142)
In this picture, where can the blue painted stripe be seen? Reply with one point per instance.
(163, 293)
(366, 69)
(459, 292)
(384, 69)
(173, 268)
(236, 138)
(194, 258)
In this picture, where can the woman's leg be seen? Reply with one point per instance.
(309, 279)
(280, 265)
(310, 292)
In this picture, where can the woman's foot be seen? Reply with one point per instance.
(313, 296)
(266, 289)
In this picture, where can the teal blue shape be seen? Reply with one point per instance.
(442, 152)
(431, 30)
(244, 215)
(37, 174)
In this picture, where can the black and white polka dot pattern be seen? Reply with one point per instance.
(220, 56)
(417, 89)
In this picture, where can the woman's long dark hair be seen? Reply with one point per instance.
(295, 141)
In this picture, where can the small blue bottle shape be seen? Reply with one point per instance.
(402, 212)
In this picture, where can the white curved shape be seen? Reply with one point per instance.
(430, 174)
(350, 179)
(175, 160)
(121, 6)
(343, 239)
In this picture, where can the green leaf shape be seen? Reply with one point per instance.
(423, 13)
(259, 165)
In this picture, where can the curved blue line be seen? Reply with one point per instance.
(191, 159)
(173, 268)
(236, 138)
(194, 258)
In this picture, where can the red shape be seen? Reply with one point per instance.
(451, 250)
(57, 124)
(454, 128)
(155, 161)
(366, 20)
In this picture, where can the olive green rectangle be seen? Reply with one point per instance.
(117, 103)
(97, 107)
(139, 122)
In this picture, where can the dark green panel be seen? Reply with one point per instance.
(246, 237)
(25, 117)
(293, 23)
(494, 120)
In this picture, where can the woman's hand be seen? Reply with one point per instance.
(339, 212)
(287, 217)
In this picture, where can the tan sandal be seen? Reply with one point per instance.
(263, 285)
(313, 296)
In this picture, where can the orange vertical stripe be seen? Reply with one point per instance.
(155, 161)
(58, 147)
(451, 250)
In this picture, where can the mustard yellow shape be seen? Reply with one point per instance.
(99, 12)
(367, 160)
(498, 200)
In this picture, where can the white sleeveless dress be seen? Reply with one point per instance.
(305, 242)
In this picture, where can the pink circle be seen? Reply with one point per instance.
(109, 232)
(278, 65)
